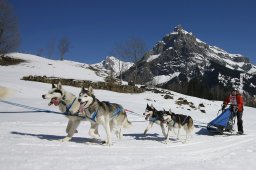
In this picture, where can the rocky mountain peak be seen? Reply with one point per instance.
(180, 60)
(178, 28)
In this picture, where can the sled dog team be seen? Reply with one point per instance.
(111, 116)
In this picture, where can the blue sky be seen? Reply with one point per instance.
(95, 26)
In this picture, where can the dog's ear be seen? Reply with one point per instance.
(152, 105)
(170, 111)
(53, 85)
(90, 90)
(59, 85)
(83, 89)
(147, 105)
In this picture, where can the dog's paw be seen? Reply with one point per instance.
(184, 142)
(94, 135)
(105, 143)
(66, 139)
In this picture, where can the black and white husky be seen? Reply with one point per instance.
(179, 121)
(110, 115)
(154, 116)
(68, 103)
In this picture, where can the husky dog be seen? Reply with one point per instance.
(68, 103)
(154, 116)
(110, 115)
(177, 121)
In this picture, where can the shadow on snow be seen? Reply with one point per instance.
(55, 138)
(148, 137)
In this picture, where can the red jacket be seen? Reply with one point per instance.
(239, 101)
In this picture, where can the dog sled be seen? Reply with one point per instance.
(223, 122)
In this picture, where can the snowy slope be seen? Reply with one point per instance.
(29, 141)
(41, 66)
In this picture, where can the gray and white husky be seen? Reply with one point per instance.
(68, 103)
(179, 121)
(109, 115)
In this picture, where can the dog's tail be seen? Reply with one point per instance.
(127, 123)
(4, 92)
(190, 123)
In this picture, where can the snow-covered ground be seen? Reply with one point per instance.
(31, 140)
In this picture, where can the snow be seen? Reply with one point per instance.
(221, 51)
(218, 50)
(41, 66)
(252, 70)
(29, 141)
(228, 59)
(198, 58)
(230, 62)
(115, 64)
(185, 32)
(200, 41)
(164, 78)
(252, 85)
(153, 57)
(228, 66)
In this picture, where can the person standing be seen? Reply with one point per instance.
(236, 101)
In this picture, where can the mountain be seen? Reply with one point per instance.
(183, 63)
(112, 65)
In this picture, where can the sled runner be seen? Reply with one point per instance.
(222, 123)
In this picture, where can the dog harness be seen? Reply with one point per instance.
(172, 124)
(184, 120)
(153, 119)
(69, 106)
(114, 114)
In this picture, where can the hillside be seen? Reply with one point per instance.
(30, 141)
(35, 65)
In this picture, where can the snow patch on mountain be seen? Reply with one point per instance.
(152, 57)
(163, 78)
(114, 65)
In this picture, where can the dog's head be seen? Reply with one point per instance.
(86, 98)
(149, 111)
(55, 94)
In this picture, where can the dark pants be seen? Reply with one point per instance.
(240, 121)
